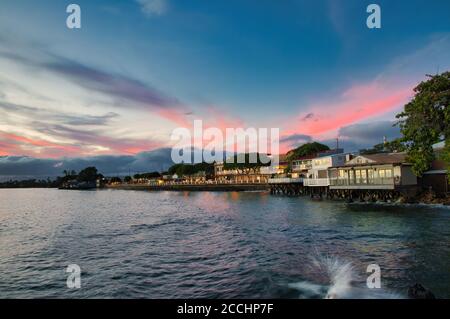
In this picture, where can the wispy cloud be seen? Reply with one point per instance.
(44, 127)
(294, 140)
(39, 114)
(153, 7)
(114, 85)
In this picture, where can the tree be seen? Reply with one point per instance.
(147, 175)
(89, 174)
(446, 155)
(397, 145)
(306, 149)
(426, 121)
(127, 179)
(243, 163)
(188, 169)
(115, 180)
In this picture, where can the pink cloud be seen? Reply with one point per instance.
(176, 116)
(357, 103)
(13, 144)
(216, 117)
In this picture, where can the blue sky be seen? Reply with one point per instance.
(139, 68)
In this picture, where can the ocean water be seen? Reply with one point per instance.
(137, 244)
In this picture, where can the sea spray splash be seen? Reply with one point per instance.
(342, 283)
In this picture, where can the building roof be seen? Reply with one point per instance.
(336, 151)
(382, 158)
(307, 157)
(436, 172)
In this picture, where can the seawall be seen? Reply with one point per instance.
(194, 188)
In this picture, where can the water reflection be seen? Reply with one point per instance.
(210, 245)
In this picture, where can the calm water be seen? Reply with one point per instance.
(209, 245)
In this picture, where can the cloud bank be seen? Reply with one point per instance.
(22, 167)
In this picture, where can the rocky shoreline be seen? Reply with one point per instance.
(426, 198)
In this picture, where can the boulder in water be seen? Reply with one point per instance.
(420, 292)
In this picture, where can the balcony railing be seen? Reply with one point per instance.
(316, 182)
(302, 167)
(362, 181)
(285, 180)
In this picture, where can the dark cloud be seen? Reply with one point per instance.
(295, 140)
(307, 117)
(60, 117)
(89, 137)
(116, 85)
(22, 167)
(359, 136)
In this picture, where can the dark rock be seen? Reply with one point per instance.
(420, 292)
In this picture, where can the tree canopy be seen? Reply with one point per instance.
(397, 145)
(306, 149)
(246, 162)
(147, 175)
(426, 121)
(191, 169)
(89, 174)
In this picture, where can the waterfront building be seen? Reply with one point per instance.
(319, 173)
(278, 169)
(383, 171)
(240, 176)
(197, 178)
(301, 166)
(251, 175)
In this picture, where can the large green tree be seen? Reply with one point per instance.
(425, 121)
(306, 150)
(89, 174)
(247, 163)
(189, 169)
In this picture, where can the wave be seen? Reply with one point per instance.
(341, 283)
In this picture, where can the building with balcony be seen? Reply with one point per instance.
(319, 173)
(384, 171)
(256, 175)
(301, 166)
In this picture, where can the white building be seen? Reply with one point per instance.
(376, 171)
(318, 175)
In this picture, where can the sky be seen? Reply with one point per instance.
(111, 93)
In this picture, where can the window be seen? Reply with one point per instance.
(389, 173)
(322, 174)
(364, 176)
